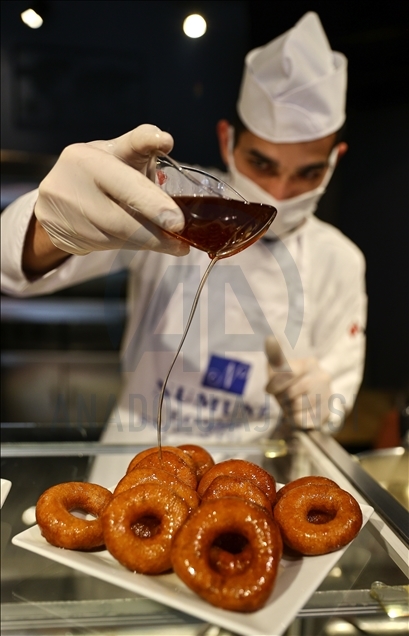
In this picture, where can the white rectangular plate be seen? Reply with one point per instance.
(296, 581)
(5, 487)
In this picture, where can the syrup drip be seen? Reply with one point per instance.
(188, 323)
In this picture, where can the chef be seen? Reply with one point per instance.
(297, 294)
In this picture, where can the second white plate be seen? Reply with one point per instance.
(5, 489)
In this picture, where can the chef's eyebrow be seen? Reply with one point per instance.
(259, 155)
(318, 165)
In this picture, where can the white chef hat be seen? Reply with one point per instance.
(294, 88)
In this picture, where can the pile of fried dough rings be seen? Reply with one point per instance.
(221, 527)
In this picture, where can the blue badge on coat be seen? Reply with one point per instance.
(226, 375)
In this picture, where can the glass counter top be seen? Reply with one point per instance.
(365, 591)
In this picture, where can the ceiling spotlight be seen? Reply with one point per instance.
(33, 17)
(194, 26)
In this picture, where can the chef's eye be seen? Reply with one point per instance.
(312, 175)
(262, 166)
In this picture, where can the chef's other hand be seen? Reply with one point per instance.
(97, 197)
(301, 387)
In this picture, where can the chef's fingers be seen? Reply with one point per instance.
(136, 146)
(130, 189)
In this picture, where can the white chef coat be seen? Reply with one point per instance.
(308, 290)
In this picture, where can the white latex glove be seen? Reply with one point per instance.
(97, 197)
(301, 387)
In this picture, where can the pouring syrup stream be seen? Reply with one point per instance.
(188, 323)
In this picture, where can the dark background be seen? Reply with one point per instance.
(96, 69)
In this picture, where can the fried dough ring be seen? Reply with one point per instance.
(310, 480)
(246, 589)
(317, 519)
(63, 529)
(155, 449)
(203, 460)
(139, 476)
(170, 462)
(228, 486)
(244, 470)
(147, 552)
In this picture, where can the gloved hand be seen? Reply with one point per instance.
(97, 197)
(301, 387)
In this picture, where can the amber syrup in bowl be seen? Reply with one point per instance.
(223, 227)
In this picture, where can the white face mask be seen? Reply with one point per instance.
(290, 212)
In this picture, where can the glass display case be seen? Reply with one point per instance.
(364, 591)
